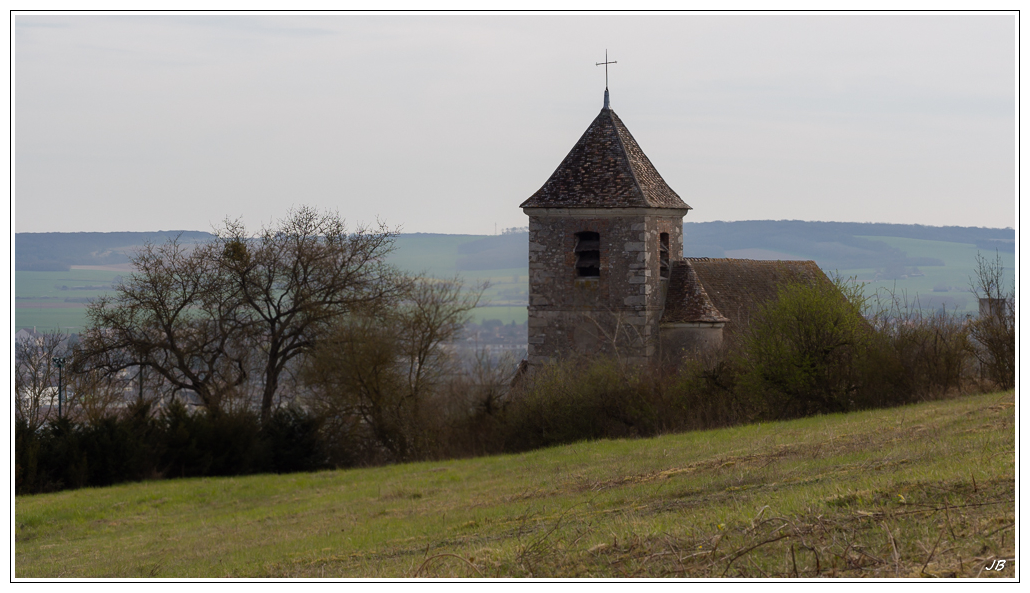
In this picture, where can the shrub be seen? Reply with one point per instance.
(579, 399)
(470, 406)
(290, 442)
(26, 457)
(919, 353)
(704, 394)
(182, 446)
(802, 353)
(107, 447)
(62, 462)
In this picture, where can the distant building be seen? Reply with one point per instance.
(606, 266)
(999, 308)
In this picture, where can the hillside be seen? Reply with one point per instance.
(836, 245)
(924, 490)
(57, 272)
(47, 252)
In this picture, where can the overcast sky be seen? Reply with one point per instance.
(445, 124)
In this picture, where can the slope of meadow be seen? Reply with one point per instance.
(920, 491)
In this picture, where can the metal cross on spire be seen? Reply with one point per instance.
(605, 62)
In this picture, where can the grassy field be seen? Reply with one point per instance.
(73, 283)
(921, 491)
(435, 255)
(42, 297)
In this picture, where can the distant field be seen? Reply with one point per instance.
(920, 491)
(434, 254)
(437, 255)
(49, 284)
(40, 297)
(960, 264)
(67, 320)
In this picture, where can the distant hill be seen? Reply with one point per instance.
(834, 245)
(494, 252)
(57, 251)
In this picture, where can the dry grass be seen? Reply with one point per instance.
(920, 491)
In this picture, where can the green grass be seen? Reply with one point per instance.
(923, 490)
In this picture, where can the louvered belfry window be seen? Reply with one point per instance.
(663, 254)
(588, 255)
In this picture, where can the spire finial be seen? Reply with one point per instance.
(605, 62)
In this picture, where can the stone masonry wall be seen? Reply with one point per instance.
(618, 312)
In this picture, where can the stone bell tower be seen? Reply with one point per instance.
(603, 231)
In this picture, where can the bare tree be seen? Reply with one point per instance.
(490, 380)
(432, 314)
(95, 394)
(297, 277)
(994, 331)
(35, 377)
(174, 315)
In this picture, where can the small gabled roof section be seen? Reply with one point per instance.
(686, 300)
(605, 169)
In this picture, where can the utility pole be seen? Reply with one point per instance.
(59, 363)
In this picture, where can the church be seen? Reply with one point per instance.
(607, 272)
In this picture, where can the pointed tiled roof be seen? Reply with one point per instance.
(605, 169)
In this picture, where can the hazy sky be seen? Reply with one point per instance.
(447, 123)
